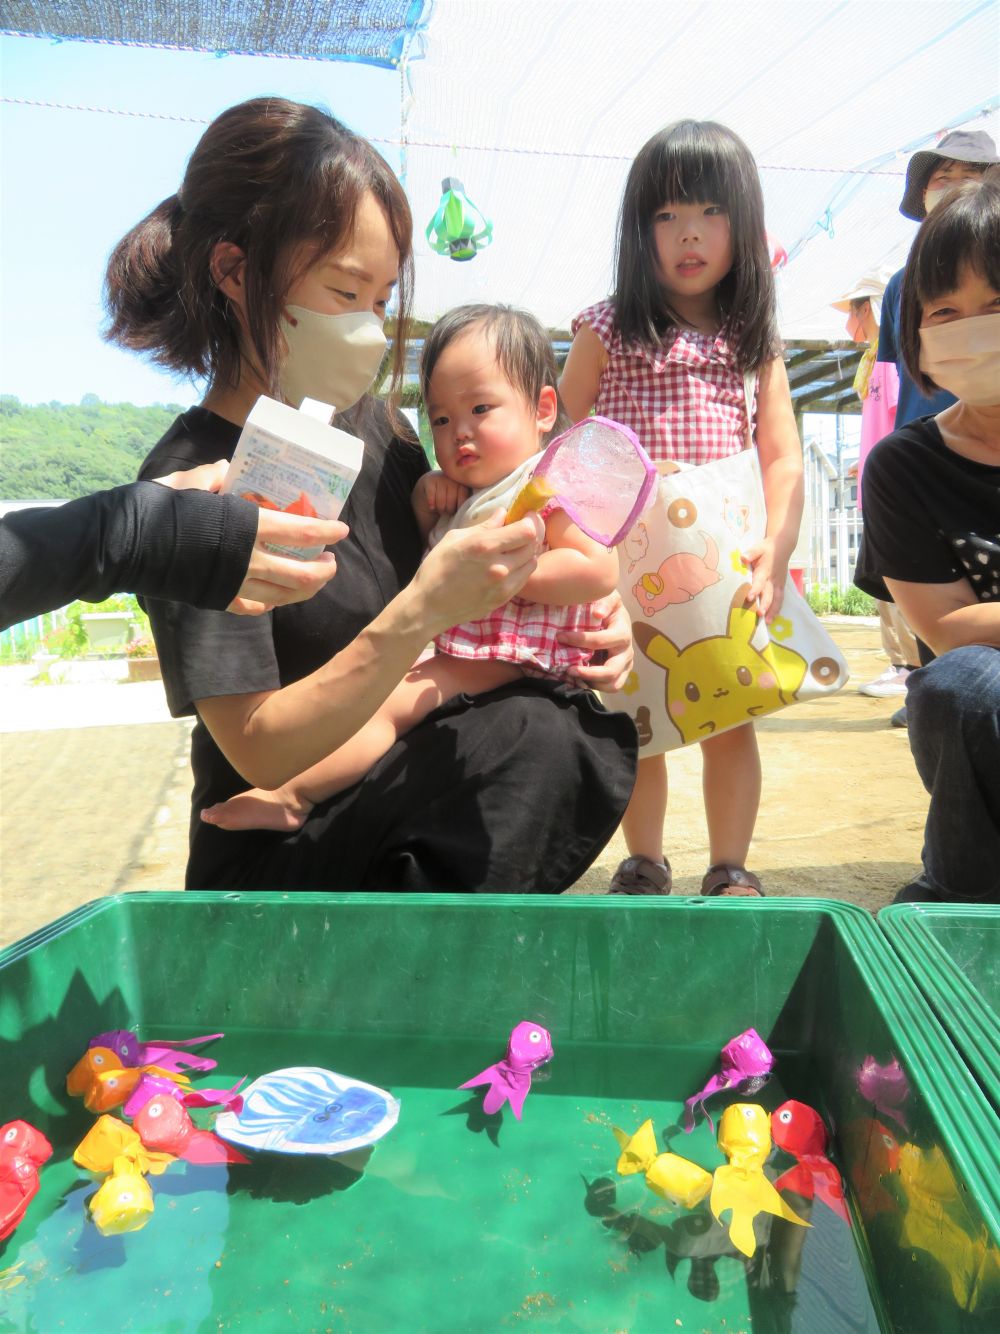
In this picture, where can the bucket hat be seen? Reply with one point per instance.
(869, 287)
(958, 146)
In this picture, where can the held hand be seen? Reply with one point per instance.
(438, 494)
(768, 575)
(612, 644)
(472, 571)
(274, 580)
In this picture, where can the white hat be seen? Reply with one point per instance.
(869, 288)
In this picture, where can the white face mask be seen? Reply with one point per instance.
(933, 197)
(333, 358)
(963, 357)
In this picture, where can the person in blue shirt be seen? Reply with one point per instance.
(960, 156)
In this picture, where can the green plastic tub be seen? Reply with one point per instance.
(952, 951)
(464, 1222)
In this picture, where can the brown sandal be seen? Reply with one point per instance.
(640, 875)
(719, 881)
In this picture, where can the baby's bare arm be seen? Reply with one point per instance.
(574, 569)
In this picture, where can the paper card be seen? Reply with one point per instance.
(293, 460)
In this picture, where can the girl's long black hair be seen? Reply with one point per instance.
(696, 162)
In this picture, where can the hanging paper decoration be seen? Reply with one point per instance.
(776, 252)
(458, 229)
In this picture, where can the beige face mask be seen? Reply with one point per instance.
(933, 197)
(332, 358)
(963, 357)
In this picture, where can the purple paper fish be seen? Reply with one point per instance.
(150, 1086)
(509, 1080)
(746, 1067)
(131, 1052)
(885, 1087)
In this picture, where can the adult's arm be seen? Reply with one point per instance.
(888, 332)
(946, 616)
(269, 736)
(157, 541)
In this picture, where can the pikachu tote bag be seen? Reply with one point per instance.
(704, 660)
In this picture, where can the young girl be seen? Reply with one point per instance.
(693, 311)
(488, 380)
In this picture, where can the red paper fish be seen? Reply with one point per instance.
(23, 1150)
(799, 1130)
(164, 1125)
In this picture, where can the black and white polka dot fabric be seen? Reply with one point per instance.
(980, 559)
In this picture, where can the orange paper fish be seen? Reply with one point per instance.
(108, 1139)
(103, 1083)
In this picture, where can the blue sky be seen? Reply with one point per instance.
(73, 182)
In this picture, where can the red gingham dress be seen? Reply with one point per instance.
(523, 633)
(685, 401)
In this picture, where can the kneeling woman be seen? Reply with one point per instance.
(270, 272)
(932, 534)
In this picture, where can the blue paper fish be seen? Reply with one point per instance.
(304, 1109)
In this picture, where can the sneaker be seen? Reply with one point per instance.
(639, 875)
(891, 682)
(898, 719)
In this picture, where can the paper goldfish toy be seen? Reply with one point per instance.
(885, 1087)
(109, 1139)
(745, 1139)
(103, 1083)
(671, 1177)
(164, 1126)
(124, 1203)
(167, 1055)
(746, 1066)
(799, 1130)
(23, 1150)
(509, 1080)
(150, 1085)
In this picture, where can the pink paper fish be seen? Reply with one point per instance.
(509, 1080)
(164, 1126)
(130, 1051)
(746, 1066)
(885, 1087)
(151, 1085)
(799, 1130)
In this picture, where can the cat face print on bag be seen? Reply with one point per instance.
(679, 578)
(722, 681)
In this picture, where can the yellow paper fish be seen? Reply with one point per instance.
(671, 1177)
(124, 1203)
(533, 496)
(937, 1220)
(108, 1139)
(745, 1139)
(99, 1078)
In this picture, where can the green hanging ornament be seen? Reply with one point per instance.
(458, 229)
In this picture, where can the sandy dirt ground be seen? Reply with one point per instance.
(95, 782)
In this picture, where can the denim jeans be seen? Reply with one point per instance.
(953, 709)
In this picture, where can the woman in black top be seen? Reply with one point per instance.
(932, 540)
(270, 272)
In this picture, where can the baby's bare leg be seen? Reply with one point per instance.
(422, 690)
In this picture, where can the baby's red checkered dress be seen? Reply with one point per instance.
(524, 633)
(684, 400)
